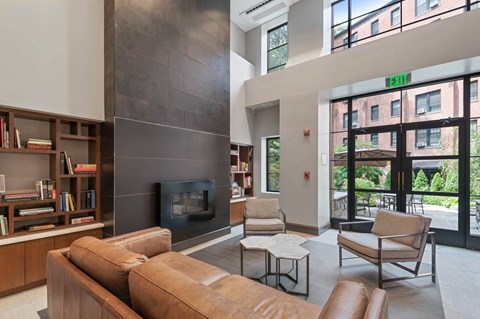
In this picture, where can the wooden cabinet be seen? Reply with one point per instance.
(241, 170)
(12, 266)
(24, 265)
(36, 258)
(236, 213)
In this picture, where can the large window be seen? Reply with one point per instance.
(395, 108)
(277, 47)
(273, 164)
(428, 102)
(422, 6)
(474, 91)
(427, 137)
(356, 22)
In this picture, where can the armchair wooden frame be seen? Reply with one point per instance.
(283, 217)
(378, 262)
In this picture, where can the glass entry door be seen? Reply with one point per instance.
(412, 168)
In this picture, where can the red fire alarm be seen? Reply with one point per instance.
(306, 132)
(306, 175)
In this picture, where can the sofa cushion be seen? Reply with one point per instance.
(106, 263)
(367, 244)
(261, 208)
(264, 224)
(265, 301)
(149, 242)
(161, 292)
(378, 305)
(349, 300)
(393, 223)
(199, 271)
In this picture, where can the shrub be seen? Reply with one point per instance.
(421, 182)
(437, 183)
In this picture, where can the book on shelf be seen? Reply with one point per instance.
(85, 168)
(35, 211)
(69, 165)
(88, 199)
(4, 134)
(81, 220)
(18, 139)
(67, 202)
(39, 227)
(66, 164)
(45, 188)
(39, 144)
(12, 197)
(4, 225)
(248, 181)
(234, 168)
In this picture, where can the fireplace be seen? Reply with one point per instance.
(186, 208)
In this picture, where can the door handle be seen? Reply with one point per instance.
(403, 181)
(399, 180)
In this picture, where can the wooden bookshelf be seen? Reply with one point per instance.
(241, 173)
(78, 137)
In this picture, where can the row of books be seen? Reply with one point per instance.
(4, 135)
(88, 199)
(39, 144)
(85, 168)
(248, 181)
(67, 202)
(46, 189)
(12, 197)
(81, 220)
(35, 211)
(3, 225)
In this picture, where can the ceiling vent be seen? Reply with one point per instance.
(266, 10)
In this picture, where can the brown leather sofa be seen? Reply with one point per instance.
(137, 276)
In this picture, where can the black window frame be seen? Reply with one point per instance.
(428, 107)
(282, 65)
(267, 171)
(397, 108)
(473, 92)
(374, 27)
(376, 113)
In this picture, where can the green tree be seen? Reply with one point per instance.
(451, 184)
(437, 183)
(388, 181)
(421, 182)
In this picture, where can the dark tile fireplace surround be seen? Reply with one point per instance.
(167, 82)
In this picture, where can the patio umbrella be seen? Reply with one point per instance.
(379, 157)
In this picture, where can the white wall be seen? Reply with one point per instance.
(52, 56)
(241, 119)
(237, 40)
(267, 124)
(253, 50)
(304, 91)
(305, 31)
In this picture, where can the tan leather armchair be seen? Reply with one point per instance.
(263, 216)
(395, 238)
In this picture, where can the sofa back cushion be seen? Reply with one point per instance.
(149, 242)
(349, 300)
(262, 208)
(395, 223)
(106, 263)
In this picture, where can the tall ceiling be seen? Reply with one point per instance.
(264, 13)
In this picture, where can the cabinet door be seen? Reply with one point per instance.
(97, 233)
(236, 213)
(63, 241)
(36, 258)
(12, 266)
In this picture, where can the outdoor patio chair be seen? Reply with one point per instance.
(413, 201)
(263, 216)
(395, 238)
(363, 204)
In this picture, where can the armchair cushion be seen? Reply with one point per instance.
(264, 224)
(367, 244)
(262, 208)
(392, 223)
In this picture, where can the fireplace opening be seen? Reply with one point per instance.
(188, 203)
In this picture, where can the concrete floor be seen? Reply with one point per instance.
(458, 277)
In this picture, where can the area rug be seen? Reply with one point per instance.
(417, 298)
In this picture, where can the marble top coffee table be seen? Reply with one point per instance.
(280, 246)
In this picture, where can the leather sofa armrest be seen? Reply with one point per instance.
(378, 305)
(349, 300)
(149, 242)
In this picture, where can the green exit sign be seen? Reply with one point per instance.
(398, 80)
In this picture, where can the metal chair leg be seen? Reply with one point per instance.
(380, 276)
(340, 256)
(434, 259)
